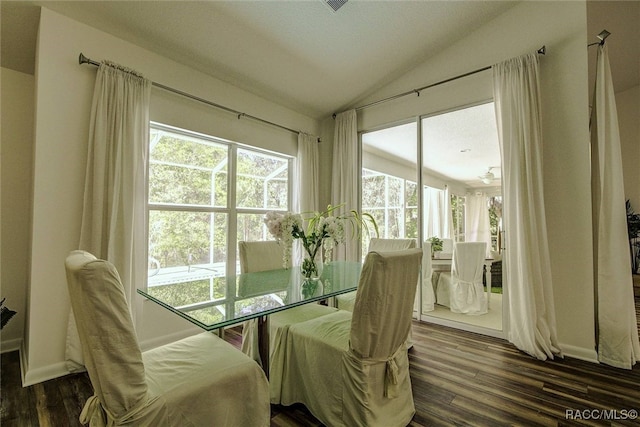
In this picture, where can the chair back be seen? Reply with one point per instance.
(384, 303)
(467, 264)
(109, 344)
(447, 248)
(260, 256)
(388, 245)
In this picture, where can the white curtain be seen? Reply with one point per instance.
(114, 210)
(306, 183)
(344, 189)
(516, 94)
(307, 176)
(437, 213)
(477, 227)
(617, 329)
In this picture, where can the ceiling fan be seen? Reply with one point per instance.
(488, 177)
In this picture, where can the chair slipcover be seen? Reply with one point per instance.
(261, 256)
(443, 287)
(352, 369)
(347, 301)
(466, 294)
(428, 292)
(198, 381)
(447, 248)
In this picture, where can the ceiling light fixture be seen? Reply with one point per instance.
(488, 177)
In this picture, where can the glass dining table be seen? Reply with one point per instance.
(230, 300)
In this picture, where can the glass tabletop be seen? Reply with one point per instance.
(233, 299)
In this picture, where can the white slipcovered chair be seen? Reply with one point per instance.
(428, 293)
(347, 301)
(443, 279)
(352, 368)
(466, 294)
(259, 256)
(197, 381)
(447, 248)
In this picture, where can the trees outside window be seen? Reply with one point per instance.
(457, 213)
(393, 202)
(206, 194)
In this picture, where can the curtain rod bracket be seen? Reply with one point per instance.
(602, 36)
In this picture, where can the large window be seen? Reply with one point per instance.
(393, 202)
(206, 194)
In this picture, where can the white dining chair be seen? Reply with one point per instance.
(197, 381)
(428, 292)
(352, 368)
(256, 256)
(466, 294)
(346, 301)
(447, 248)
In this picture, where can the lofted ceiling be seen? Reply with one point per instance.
(300, 54)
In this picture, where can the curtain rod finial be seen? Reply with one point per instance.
(603, 35)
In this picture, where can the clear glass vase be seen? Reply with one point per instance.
(311, 271)
(312, 268)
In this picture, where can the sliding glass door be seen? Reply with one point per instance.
(438, 176)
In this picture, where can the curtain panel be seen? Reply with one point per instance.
(344, 187)
(477, 224)
(531, 308)
(437, 213)
(114, 208)
(617, 331)
(306, 181)
(306, 184)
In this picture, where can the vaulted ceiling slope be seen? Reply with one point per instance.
(300, 54)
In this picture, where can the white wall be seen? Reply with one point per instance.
(628, 106)
(17, 152)
(561, 26)
(64, 91)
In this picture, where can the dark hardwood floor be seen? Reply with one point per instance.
(459, 379)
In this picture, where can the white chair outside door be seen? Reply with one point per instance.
(466, 294)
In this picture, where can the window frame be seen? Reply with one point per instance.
(230, 209)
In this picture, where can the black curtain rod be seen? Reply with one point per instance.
(84, 60)
(417, 91)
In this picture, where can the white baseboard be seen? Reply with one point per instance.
(35, 376)
(586, 354)
(10, 345)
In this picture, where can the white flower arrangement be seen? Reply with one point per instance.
(324, 230)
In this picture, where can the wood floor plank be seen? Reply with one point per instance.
(458, 379)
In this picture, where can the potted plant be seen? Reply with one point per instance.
(436, 245)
